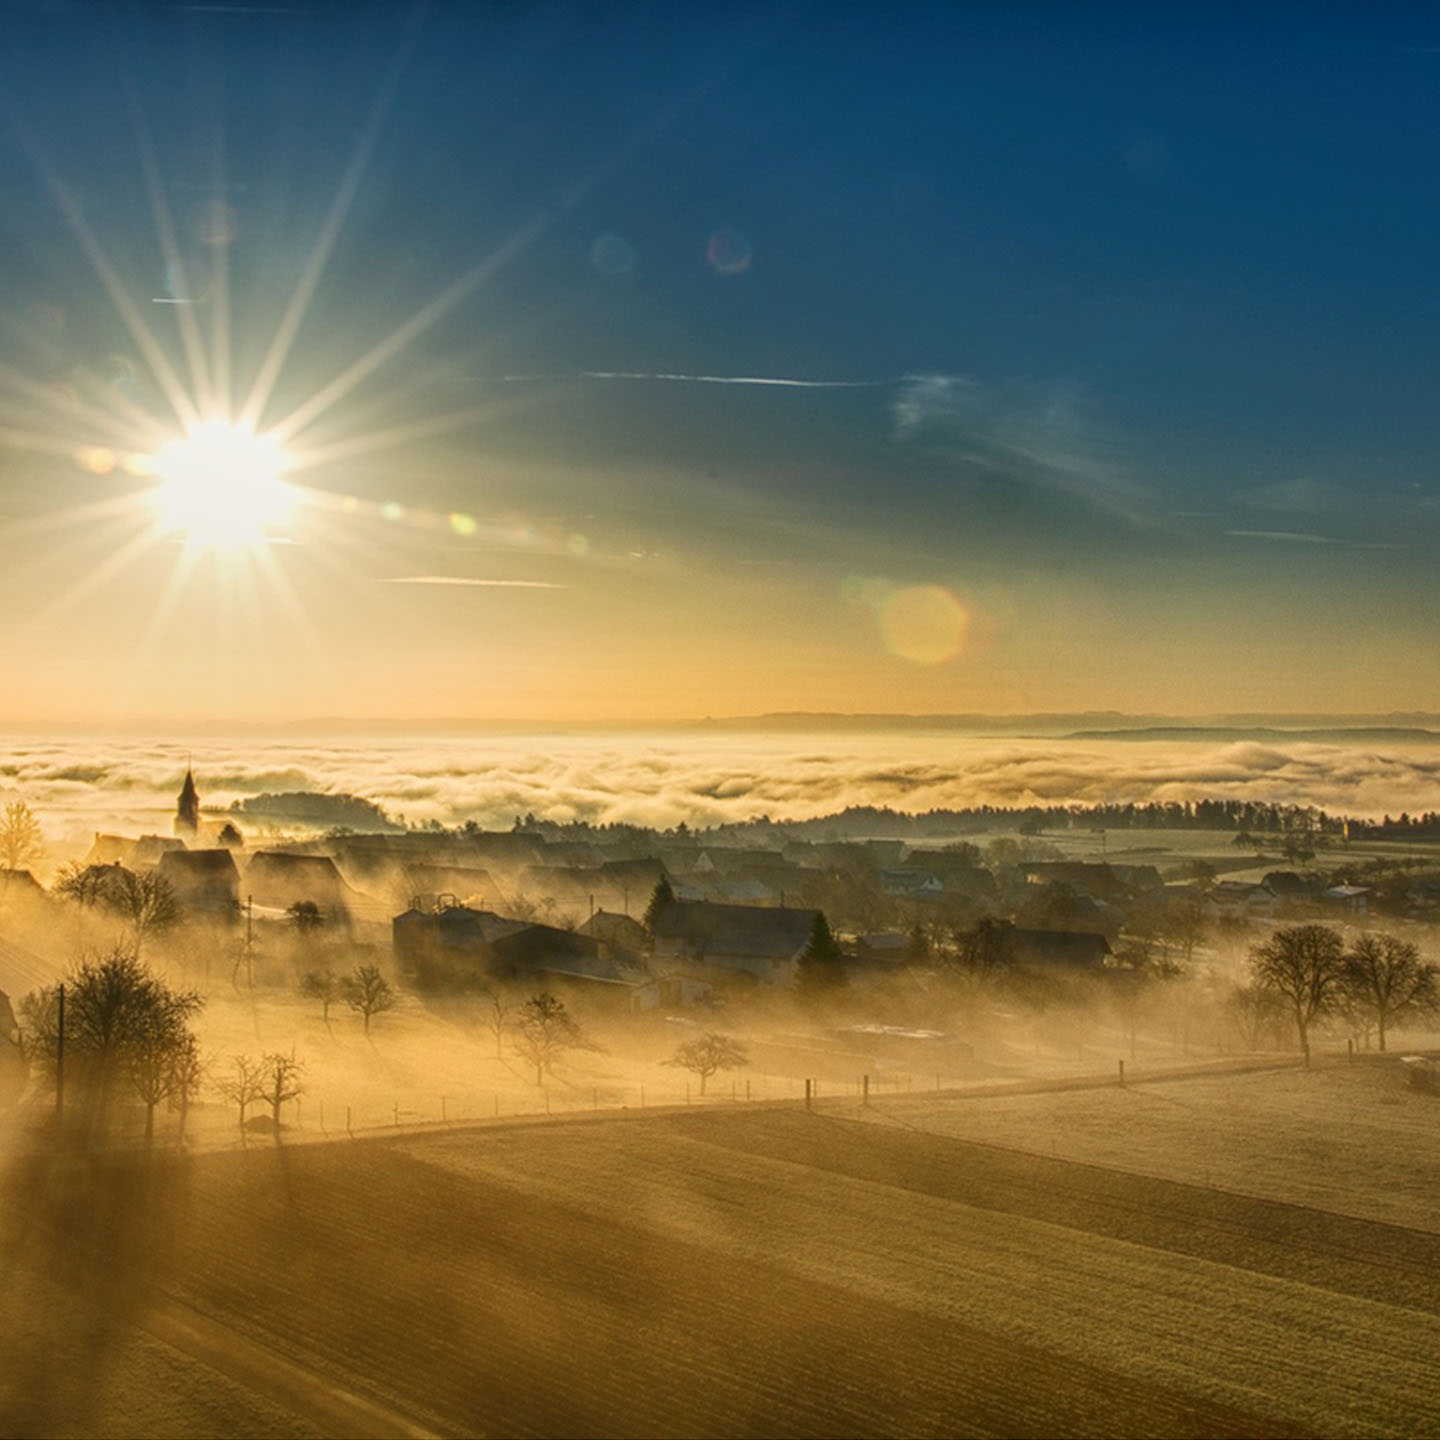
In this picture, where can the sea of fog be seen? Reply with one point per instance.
(81, 784)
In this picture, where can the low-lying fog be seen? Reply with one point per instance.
(79, 785)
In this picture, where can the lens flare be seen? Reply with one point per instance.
(220, 486)
(924, 624)
(728, 252)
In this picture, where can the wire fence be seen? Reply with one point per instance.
(331, 1115)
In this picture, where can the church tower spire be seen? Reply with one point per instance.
(187, 808)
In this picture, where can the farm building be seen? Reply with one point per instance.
(464, 882)
(130, 852)
(279, 879)
(204, 881)
(618, 935)
(1057, 949)
(444, 946)
(762, 942)
(19, 884)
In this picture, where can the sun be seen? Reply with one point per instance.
(220, 486)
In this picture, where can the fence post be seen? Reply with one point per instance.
(349, 1130)
(865, 1090)
(747, 1089)
(807, 1095)
(397, 1112)
(1350, 1052)
(1122, 1074)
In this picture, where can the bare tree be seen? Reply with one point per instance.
(22, 843)
(245, 1084)
(708, 1055)
(1305, 966)
(497, 1008)
(147, 902)
(280, 1082)
(324, 986)
(84, 884)
(1257, 1013)
(153, 1057)
(1386, 979)
(368, 993)
(544, 1030)
(187, 1077)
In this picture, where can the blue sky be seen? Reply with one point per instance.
(1148, 297)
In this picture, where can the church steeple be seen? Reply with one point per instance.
(187, 808)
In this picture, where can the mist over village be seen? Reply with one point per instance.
(718, 723)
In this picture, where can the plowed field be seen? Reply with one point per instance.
(766, 1272)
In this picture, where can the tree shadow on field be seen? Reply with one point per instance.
(85, 1231)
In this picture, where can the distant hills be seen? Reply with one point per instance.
(1219, 734)
(1399, 727)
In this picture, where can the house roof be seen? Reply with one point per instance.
(761, 931)
(614, 929)
(188, 865)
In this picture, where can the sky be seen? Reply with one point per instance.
(645, 362)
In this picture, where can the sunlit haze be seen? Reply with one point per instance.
(628, 379)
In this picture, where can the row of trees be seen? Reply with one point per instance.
(365, 990)
(117, 1025)
(1378, 981)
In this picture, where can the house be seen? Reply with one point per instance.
(671, 992)
(1354, 899)
(1057, 949)
(763, 942)
(204, 881)
(279, 879)
(886, 948)
(19, 885)
(618, 935)
(465, 882)
(131, 853)
(743, 892)
(1239, 897)
(1093, 878)
(447, 946)
(911, 884)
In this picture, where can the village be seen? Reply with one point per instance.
(966, 960)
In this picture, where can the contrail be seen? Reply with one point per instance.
(778, 380)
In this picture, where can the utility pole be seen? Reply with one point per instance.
(60, 1056)
(250, 941)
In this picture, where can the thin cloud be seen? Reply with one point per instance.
(1035, 436)
(670, 377)
(472, 580)
(1301, 495)
(1291, 537)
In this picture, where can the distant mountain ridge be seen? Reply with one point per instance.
(1333, 735)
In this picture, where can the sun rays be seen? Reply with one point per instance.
(203, 461)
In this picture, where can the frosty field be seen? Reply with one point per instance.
(760, 1271)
